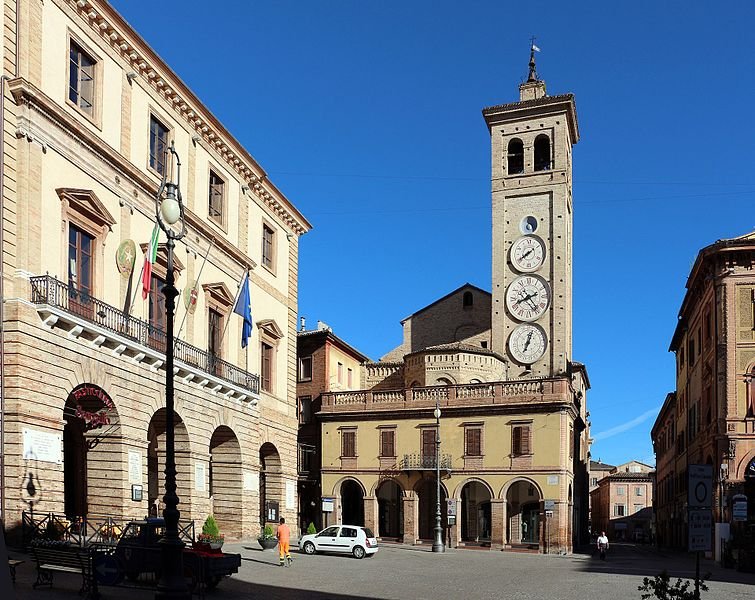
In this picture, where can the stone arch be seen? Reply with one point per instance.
(351, 495)
(523, 512)
(542, 150)
(156, 440)
(742, 466)
(91, 437)
(515, 157)
(225, 479)
(475, 515)
(460, 486)
(271, 484)
(337, 486)
(444, 379)
(389, 495)
(508, 484)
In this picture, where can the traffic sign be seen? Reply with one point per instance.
(549, 505)
(107, 569)
(700, 525)
(700, 486)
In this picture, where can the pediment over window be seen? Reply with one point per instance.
(219, 292)
(87, 205)
(270, 327)
(162, 257)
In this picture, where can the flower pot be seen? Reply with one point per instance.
(267, 543)
(216, 545)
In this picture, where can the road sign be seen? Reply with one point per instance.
(451, 507)
(739, 508)
(700, 525)
(549, 504)
(107, 569)
(700, 486)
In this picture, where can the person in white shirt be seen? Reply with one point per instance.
(602, 545)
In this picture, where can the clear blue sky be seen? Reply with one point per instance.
(367, 116)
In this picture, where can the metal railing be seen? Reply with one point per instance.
(421, 462)
(46, 289)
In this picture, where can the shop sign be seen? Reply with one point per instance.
(92, 419)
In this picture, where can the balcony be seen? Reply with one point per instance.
(103, 326)
(512, 393)
(421, 462)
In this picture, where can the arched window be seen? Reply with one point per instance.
(515, 157)
(467, 300)
(542, 153)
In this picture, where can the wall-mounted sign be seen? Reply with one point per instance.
(42, 446)
(134, 466)
(251, 481)
(92, 396)
(199, 476)
(191, 295)
(451, 507)
(552, 479)
(125, 256)
(137, 493)
(290, 495)
(328, 505)
(549, 504)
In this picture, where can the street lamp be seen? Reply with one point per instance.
(438, 545)
(169, 211)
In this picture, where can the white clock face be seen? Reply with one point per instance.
(527, 253)
(528, 297)
(527, 343)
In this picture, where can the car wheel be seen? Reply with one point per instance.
(358, 552)
(309, 548)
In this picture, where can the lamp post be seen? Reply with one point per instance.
(438, 545)
(169, 211)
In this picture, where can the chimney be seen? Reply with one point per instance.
(303, 324)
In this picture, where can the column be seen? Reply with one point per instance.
(370, 513)
(411, 521)
(498, 523)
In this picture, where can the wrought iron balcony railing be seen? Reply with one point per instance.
(422, 462)
(48, 290)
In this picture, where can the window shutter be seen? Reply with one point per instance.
(473, 442)
(526, 439)
(348, 440)
(428, 442)
(388, 446)
(516, 441)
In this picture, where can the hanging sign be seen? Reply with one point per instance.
(191, 295)
(91, 394)
(125, 256)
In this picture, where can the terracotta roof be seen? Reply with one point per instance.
(594, 464)
(523, 105)
(633, 476)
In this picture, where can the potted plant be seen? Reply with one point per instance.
(311, 529)
(267, 538)
(211, 535)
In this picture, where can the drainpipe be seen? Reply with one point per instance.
(3, 79)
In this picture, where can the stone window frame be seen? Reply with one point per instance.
(221, 223)
(267, 225)
(270, 334)
(154, 113)
(96, 117)
(83, 209)
(218, 297)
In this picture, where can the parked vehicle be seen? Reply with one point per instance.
(344, 539)
(138, 550)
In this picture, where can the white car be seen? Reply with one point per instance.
(346, 539)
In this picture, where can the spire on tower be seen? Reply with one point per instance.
(534, 87)
(533, 70)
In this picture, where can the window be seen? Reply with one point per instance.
(340, 372)
(329, 532)
(305, 368)
(593, 481)
(268, 247)
(157, 303)
(388, 443)
(348, 443)
(305, 409)
(473, 441)
(214, 333)
(691, 350)
(348, 532)
(216, 197)
(520, 440)
(80, 267)
(639, 491)
(515, 157)
(620, 491)
(571, 442)
(618, 510)
(428, 443)
(158, 144)
(484, 344)
(467, 300)
(542, 153)
(81, 79)
(266, 369)
(349, 377)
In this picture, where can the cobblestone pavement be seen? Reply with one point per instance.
(399, 572)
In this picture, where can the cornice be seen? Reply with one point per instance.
(109, 25)
(25, 93)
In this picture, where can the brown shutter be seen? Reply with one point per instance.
(348, 441)
(526, 439)
(388, 445)
(516, 441)
(428, 442)
(473, 442)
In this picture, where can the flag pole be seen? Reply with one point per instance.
(180, 329)
(235, 299)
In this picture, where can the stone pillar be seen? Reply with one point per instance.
(455, 529)
(498, 523)
(370, 513)
(411, 518)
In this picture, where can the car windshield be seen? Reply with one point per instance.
(368, 532)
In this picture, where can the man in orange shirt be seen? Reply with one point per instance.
(284, 536)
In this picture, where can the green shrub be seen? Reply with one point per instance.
(210, 527)
(311, 528)
(267, 533)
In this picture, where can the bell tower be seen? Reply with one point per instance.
(531, 185)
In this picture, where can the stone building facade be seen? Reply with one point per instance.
(514, 437)
(622, 506)
(88, 111)
(710, 417)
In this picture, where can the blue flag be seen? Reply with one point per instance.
(243, 308)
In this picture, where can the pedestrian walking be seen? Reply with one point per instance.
(284, 537)
(602, 545)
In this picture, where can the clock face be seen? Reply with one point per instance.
(527, 253)
(528, 297)
(527, 343)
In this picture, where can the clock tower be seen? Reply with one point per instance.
(531, 184)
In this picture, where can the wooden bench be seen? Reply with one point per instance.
(12, 564)
(62, 559)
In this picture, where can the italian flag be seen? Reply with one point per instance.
(149, 259)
